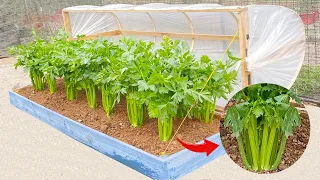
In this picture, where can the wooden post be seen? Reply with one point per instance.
(67, 23)
(242, 25)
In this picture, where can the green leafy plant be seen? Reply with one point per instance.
(261, 121)
(54, 66)
(108, 78)
(218, 86)
(167, 80)
(134, 72)
(174, 84)
(32, 57)
(59, 65)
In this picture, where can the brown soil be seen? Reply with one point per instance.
(295, 145)
(117, 125)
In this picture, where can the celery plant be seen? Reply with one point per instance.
(56, 59)
(108, 99)
(261, 121)
(135, 68)
(218, 86)
(136, 111)
(109, 76)
(90, 88)
(37, 79)
(52, 84)
(71, 90)
(167, 80)
(176, 81)
(32, 57)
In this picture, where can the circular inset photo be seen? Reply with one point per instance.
(265, 129)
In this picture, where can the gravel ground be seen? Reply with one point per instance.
(30, 149)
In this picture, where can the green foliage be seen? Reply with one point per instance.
(135, 69)
(32, 57)
(167, 80)
(263, 114)
(307, 83)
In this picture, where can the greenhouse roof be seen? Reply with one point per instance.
(157, 7)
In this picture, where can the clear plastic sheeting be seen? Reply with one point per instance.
(276, 45)
(276, 42)
(125, 17)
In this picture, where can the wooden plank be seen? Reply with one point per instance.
(67, 23)
(184, 162)
(218, 9)
(180, 35)
(243, 48)
(104, 34)
(161, 34)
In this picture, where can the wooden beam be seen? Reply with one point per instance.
(242, 25)
(161, 34)
(104, 34)
(67, 23)
(180, 35)
(217, 9)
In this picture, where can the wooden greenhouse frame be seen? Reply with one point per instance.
(241, 20)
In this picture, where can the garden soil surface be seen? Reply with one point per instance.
(117, 125)
(295, 145)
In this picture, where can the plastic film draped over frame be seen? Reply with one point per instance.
(276, 43)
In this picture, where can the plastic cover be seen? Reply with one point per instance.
(276, 43)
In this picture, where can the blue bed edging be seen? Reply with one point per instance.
(155, 167)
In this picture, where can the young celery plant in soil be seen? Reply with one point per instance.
(72, 62)
(174, 83)
(32, 57)
(168, 84)
(136, 60)
(91, 58)
(54, 66)
(108, 78)
(261, 121)
(219, 85)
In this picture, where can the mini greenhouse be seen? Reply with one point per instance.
(270, 41)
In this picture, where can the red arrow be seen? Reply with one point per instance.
(207, 146)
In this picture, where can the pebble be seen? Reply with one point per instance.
(282, 166)
(79, 120)
(104, 128)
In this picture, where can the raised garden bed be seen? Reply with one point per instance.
(179, 163)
